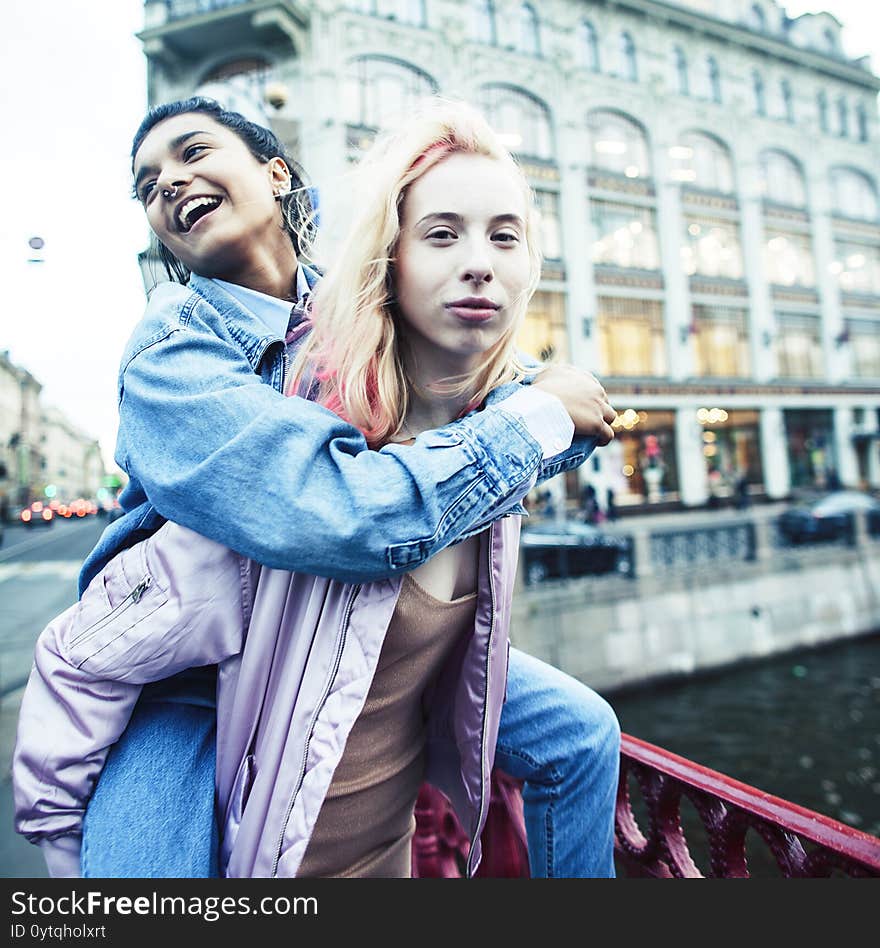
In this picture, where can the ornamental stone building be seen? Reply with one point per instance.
(707, 174)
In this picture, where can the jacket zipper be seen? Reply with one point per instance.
(285, 365)
(340, 644)
(475, 834)
(133, 597)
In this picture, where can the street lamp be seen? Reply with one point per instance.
(36, 244)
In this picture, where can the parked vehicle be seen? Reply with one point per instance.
(829, 517)
(37, 514)
(565, 549)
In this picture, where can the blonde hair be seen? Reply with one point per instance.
(354, 351)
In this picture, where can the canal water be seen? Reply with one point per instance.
(804, 726)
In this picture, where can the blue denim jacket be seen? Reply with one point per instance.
(208, 440)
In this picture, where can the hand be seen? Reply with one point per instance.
(583, 397)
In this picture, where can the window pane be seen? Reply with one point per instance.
(721, 342)
(782, 179)
(543, 333)
(789, 259)
(624, 236)
(853, 194)
(483, 21)
(702, 161)
(630, 337)
(551, 228)
(381, 91)
(798, 346)
(618, 144)
(523, 122)
(857, 267)
(865, 346)
(711, 248)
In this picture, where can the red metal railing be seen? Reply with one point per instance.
(800, 843)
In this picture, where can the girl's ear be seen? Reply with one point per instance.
(279, 176)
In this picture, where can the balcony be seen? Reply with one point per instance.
(196, 29)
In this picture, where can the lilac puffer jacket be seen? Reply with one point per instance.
(296, 656)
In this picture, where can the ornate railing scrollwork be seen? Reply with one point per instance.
(800, 842)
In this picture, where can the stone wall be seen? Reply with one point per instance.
(615, 632)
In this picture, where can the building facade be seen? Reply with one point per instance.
(707, 175)
(40, 448)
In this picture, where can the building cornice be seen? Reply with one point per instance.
(741, 35)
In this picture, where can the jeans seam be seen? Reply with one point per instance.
(549, 769)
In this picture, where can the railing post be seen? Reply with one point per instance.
(763, 539)
(644, 564)
(860, 537)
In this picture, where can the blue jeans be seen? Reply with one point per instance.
(563, 740)
(151, 815)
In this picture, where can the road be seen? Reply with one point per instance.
(38, 571)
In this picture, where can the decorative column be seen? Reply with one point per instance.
(689, 456)
(871, 426)
(847, 462)
(761, 321)
(580, 298)
(670, 231)
(774, 454)
(836, 354)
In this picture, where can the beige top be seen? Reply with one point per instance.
(366, 823)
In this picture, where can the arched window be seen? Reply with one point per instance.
(414, 12)
(830, 41)
(782, 179)
(714, 75)
(757, 18)
(380, 90)
(588, 41)
(522, 120)
(822, 108)
(529, 38)
(618, 144)
(483, 22)
(758, 91)
(681, 71)
(842, 118)
(628, 65)
(862, 121)
(853, 194)
(787, 100)
(703, 161)
(239, 85)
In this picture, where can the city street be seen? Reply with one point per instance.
(38, 571)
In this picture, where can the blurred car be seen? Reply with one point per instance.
(37, 514)
(566, 549)
(829, 517)
(82, 507)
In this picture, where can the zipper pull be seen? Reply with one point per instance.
(139, 590)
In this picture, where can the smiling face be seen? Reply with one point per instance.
(462, 263)
(212, 204)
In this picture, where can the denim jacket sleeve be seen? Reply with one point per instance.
(288, 483)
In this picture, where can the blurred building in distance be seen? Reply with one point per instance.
(707, 174)
(43, 455)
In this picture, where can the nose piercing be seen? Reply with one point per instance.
(170, 194)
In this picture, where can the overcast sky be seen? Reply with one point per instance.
(72, 90)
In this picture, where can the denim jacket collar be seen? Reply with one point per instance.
(248, 330)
